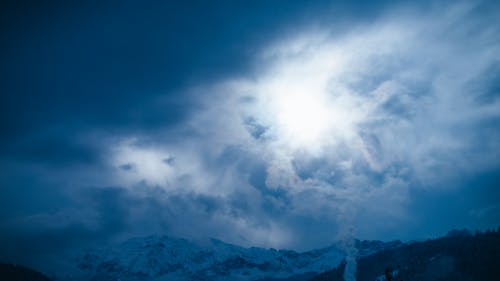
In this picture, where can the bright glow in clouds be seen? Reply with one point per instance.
(304, 114)
(303, 117)
(343, 127)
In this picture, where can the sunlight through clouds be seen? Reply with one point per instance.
(343, 125)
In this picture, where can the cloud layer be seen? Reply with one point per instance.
(337, 129)
(379, 130)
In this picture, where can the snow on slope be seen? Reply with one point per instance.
(165, 258)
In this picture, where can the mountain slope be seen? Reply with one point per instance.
(167, 258)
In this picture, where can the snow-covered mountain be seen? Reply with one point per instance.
(166, 258)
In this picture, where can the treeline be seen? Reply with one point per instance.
(460, 255)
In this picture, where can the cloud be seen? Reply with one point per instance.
(347, 124)
(361, 130)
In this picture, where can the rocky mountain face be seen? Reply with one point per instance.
(167, 258)
(459, 256)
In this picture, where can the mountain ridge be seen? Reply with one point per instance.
(458, 256)
(161, 257)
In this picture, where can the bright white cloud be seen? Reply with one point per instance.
(135, 164)
(343, 124)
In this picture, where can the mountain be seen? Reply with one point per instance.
(166, 258)
(459, 256)
(331, 275)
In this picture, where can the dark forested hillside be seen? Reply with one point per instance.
(10, 272)
(459, 256)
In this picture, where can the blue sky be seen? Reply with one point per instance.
(275, 124)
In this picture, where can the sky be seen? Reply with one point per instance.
(284, 124)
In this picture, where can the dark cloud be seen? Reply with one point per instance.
(93, 215)
(105, 64)
(472, 202)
